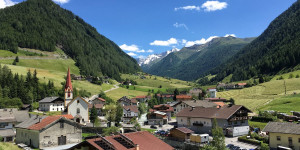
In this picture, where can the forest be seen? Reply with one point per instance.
(44, 25)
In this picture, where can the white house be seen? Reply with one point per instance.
(129, 112)
(233, 119)
(192, 103)
(51, 104)
(6, 128)
(212, 92)
(79, 109)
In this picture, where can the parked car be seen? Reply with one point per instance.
(153, 127)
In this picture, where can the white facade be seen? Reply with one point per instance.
(79, 109)
(212, 93)
(68, 96)
(179, 107)
(129, 113)
(51, 106)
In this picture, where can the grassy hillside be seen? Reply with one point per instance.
(260, 95)
(156, 81)
(284, 104)
(120, 92)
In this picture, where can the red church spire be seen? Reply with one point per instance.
(68, 83)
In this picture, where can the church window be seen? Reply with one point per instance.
(78, 110)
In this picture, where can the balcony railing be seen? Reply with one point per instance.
(198, 124)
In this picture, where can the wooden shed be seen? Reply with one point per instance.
(181, 133)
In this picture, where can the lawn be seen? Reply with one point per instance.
(260, 95)
(149, 130)
(84, 135)
(120, 92)
(155, 82)
(53, 113)
(8, 146)
(284, 104)
(260, 125)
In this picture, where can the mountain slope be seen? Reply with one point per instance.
(44, 25)
(276, 49)
(191, 62)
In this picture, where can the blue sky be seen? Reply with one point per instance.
(143, 27)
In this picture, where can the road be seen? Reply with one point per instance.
(235, 142)
(115, 87)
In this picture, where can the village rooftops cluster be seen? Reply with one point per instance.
(142, 140)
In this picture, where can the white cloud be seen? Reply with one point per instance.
(169, 42)
(227, 35)
(198, 42)
(150, 51)
(214, 5)
(132, 54)
(188, 8)
(6, 3)
(134, 48)
(131, 48)
(183, 41)
(179, 25)
(61, 1)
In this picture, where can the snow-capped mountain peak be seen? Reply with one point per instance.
(153, 57)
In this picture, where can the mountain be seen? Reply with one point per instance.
(146, 63)
(277, 49)
(44, 25)
(191, 62)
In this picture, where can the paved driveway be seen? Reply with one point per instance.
(234, 141)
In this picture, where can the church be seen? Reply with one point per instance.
(78, 107)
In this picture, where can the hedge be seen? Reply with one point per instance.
(250, 141)
(262, 119)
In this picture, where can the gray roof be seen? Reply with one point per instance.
(19, 116)
(4, 119)
(282, 127)
(200, 103)
(50, 99)
(31, 121)
(7, 133)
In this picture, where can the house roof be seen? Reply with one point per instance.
(282, 127)
(31, 121)
(133, 100)
(183, 97)
(220, 104)
(219, 113)
(144, 139)
(132, 108)
(242, 84)
(101, 99)
(200, 103)
(216, 99)
(184, 130)
(68, 82)
(4, 119)
(167, 108)
(97, 106)
(124, 98)
(7, 133)
(141, 96)
(47, 121)
(51, 99)
(68, 116)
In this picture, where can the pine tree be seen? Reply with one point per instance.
(93, 115)
(218, 136)
(119, 114)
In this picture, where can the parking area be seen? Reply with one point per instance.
(235, 142)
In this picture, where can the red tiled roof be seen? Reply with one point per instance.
(101, 99)
(68, 116)
(184, 130)
(98, 106)
(68, 82)
(132, 108)
(141, 97)
(219, 104)
(48, 120)
(242, 83)
(183, 97)
(44, 123)
(144, 139)
(133, 100)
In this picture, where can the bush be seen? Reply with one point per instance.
(250, 141)
(262, 119)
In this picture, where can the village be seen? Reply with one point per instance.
(182, 122)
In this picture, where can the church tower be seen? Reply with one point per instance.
(68, 89)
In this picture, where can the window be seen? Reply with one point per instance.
(78, 110)
(229, 123)
(61, 125)
(243, 121)
(181, 120)
(46, 137)
(235, 122)
(290, 139)
(278, 138)
(77, 101)
(299, 140)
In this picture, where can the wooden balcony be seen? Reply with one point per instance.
(198, 124)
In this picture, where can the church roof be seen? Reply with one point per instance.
(68, 82)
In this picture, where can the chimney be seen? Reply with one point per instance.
(193, 107)
(137, 147)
